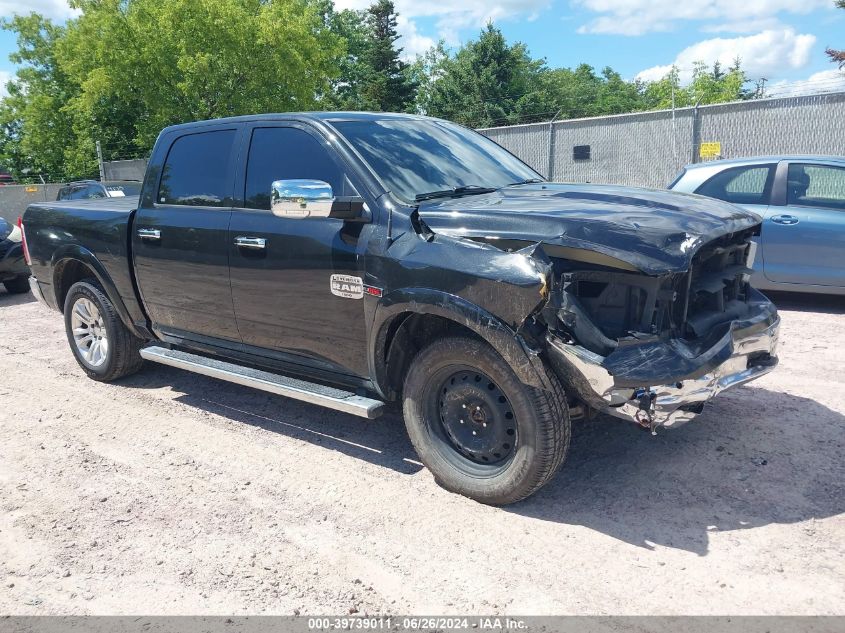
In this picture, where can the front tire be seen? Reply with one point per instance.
(102, 345)
(479, 430)
(18, 285)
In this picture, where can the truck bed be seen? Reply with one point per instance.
(83, 228)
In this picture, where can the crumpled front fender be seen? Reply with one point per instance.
(517, 352)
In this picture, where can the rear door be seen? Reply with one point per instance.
(180, 236)
(282, 292)
(804, 231)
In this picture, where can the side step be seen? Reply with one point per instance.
(329, 397)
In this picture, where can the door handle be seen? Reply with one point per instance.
(251, 242)
(784, 219)
(149, 234)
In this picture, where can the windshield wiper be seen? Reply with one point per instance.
(527, 181)
(464, 190)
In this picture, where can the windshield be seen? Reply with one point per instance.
(414, 157)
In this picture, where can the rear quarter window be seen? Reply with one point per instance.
(749, 184)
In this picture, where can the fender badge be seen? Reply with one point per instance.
(347, 286)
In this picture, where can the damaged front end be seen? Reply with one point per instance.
(654, 348)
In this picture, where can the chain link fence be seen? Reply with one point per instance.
(14, 199)
(648, 149)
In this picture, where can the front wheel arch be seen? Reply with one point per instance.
(402, 309)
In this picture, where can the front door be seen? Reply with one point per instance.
(282, 267)
(804, 241)
(180, 239)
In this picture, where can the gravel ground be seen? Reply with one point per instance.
(171, 493)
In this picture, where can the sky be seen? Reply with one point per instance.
(782, 41)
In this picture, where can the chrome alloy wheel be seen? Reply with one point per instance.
(89, 332)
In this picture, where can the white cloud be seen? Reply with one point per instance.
(825, 81)
(763, 54)
(412, 42)
(5, 76)
(451, 16)
(636, 17)
(53, 9)
(744, 26)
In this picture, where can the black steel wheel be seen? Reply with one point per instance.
(481, 431)
(476, 417)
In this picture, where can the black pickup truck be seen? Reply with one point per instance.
(352, 259)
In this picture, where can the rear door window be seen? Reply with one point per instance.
(196, 172)
(821, 186)
(749, 184)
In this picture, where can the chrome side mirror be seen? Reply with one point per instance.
(301, 199)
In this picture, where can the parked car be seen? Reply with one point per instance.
(802, 202)
(350, 259)
(88, 189)
(14, 273)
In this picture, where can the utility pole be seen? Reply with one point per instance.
(100, 161)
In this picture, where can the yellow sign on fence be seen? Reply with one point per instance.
(710, 150)
(31, 189)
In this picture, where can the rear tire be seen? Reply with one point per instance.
(479, 430)
(102, 345)
(18, 285)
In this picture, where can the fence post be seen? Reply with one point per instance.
(550, 173)
(696, 132)
(100, 162)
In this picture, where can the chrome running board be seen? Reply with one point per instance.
(328, 397)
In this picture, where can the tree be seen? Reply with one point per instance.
(837, 56)
(350, 27)
(425, 71)
(583, 93)
(485, 83)
(124, 69)
(388, 86)
(708, 85)
(34, 123)
(716, 85)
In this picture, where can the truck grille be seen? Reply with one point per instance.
(717, 290)
(691, 306)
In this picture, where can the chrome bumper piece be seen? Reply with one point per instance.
(36, 291)
(669, 405)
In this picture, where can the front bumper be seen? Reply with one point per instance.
(747, 351)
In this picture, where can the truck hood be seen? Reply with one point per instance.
(654, 231)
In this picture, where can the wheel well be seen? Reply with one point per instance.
(67, 273)
(406, 335)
